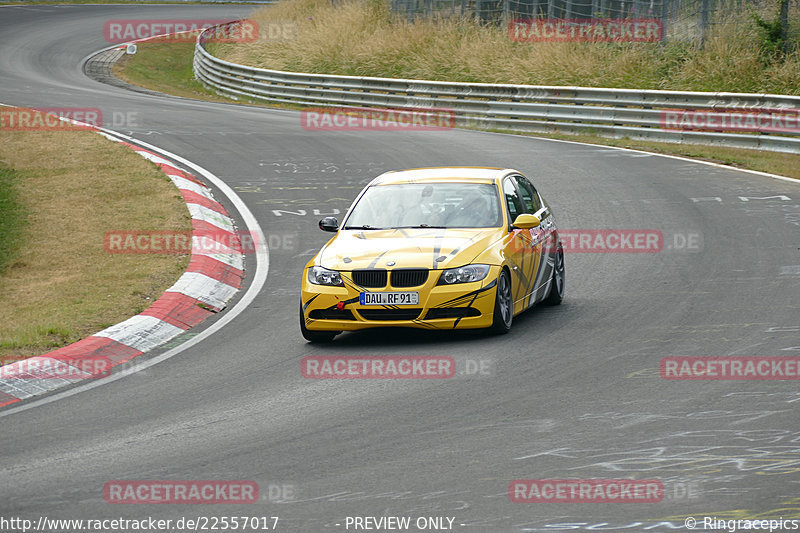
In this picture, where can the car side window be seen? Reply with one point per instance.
(513, 201)
(529, 196)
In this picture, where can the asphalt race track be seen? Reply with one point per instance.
(573, 392)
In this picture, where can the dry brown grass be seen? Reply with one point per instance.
(62, 285)
(153, 58)
(364, 39)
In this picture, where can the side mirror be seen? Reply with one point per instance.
(526, 221)
(329, 224)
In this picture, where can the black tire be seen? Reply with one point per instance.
(503, 314)
(558, 281)
(315, 336)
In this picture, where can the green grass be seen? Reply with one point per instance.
(164, 67)
(13, 218)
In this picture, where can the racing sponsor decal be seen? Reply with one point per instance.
(180, 242)
(585, 491)
(180, 492)
(586, 30)
(388, 367)
(773, 121)
(730, 368)
(379, 119)
(182, 30)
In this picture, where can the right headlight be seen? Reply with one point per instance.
(465, 274)
(324, 276)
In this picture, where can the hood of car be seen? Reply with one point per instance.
(406, 248)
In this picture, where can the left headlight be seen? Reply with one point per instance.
(323, 276)
(465, 274)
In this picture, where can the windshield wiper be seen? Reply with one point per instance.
(365, 226)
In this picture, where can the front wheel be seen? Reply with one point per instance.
(558, 281)
(503, 305)
(315, 336)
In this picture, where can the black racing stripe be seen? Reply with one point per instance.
(455, 324)
(459, 248)
(524, 287)
(375, 262)
(458, 302)
(348, 282)
(305, 305)
(467, 295)
(544, 262)
(437, 249)
(520, 272)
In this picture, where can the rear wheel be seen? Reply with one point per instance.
(315, 336)
(557, 283)
(503, 305)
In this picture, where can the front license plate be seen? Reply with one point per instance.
(389, 298)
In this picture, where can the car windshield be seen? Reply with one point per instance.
(427, 205)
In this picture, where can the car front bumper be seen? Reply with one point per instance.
(457, 306)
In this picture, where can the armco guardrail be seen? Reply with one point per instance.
(628, 113)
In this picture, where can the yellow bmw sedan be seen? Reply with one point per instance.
(434, 248)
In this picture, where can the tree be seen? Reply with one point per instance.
(775, 33)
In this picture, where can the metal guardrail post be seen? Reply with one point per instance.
(704, 6)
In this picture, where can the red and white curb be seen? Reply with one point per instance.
(210, 281)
